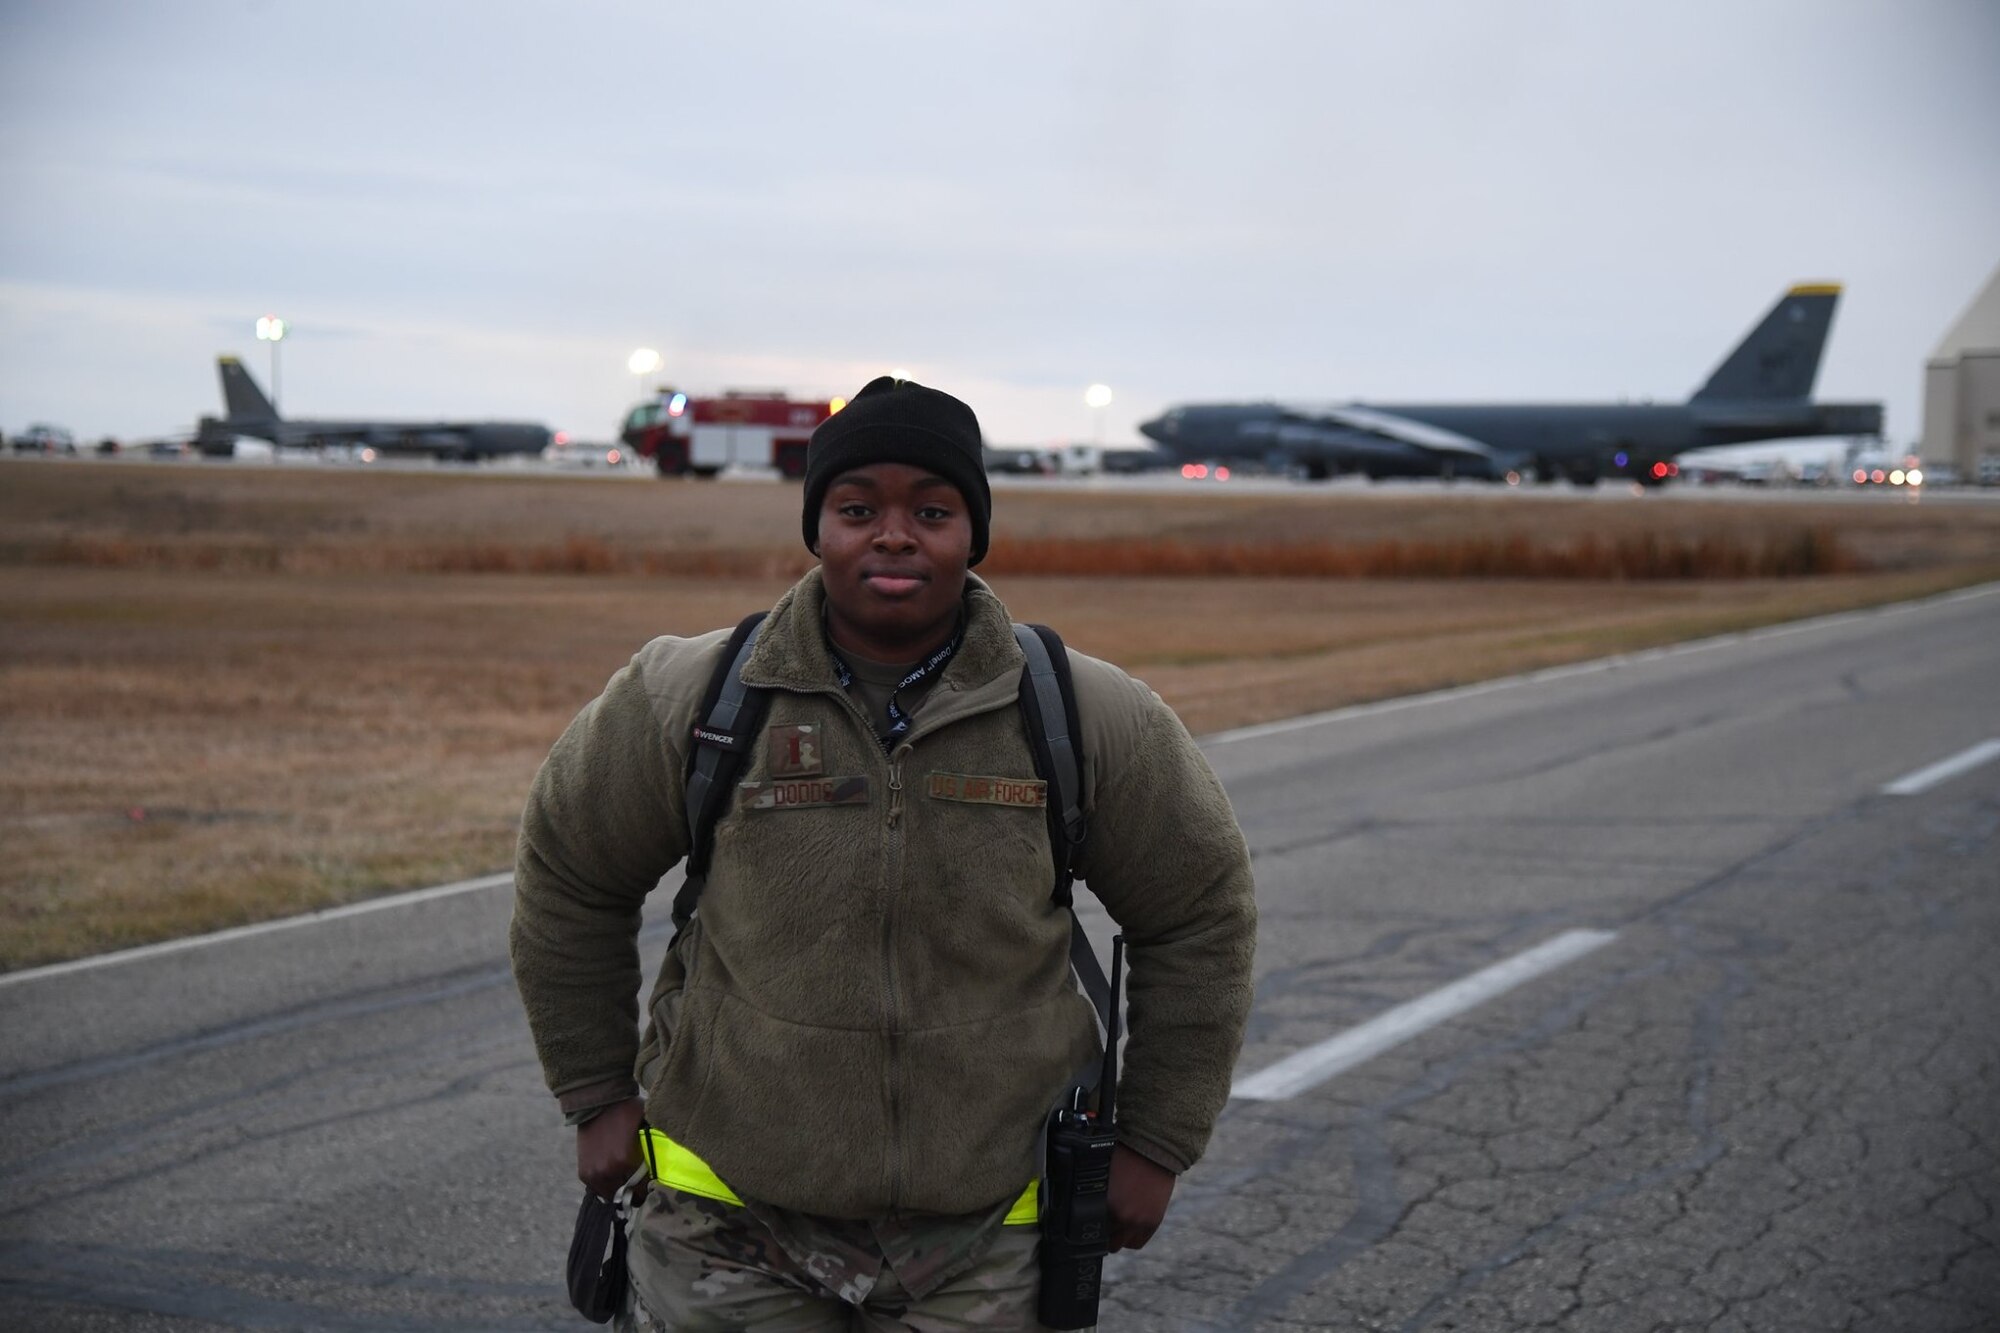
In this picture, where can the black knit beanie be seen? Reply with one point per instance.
(901, 421)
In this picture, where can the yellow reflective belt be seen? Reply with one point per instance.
(1027, 1209)
(679, 1168)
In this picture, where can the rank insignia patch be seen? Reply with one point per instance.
(1028, 793)
(793, 751)
(803, 793)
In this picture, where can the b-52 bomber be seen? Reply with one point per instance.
(254, 415)
(1761, 391)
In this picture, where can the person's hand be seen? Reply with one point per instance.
(1140, 1191)
(607, 1147)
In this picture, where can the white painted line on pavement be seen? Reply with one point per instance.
(259, 928)
(1944, 769)
(1592, 667)
(1314, 1065)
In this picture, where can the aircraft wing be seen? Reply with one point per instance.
(1405, 430)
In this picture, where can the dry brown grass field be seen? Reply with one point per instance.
(232, 693)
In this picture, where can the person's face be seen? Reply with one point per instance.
(894, 545)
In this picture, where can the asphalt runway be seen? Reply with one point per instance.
(1626, 996)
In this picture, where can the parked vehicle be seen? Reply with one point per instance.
(42, 438)
(742, 428)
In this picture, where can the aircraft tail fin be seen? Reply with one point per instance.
(1780, 358)
(241, 396)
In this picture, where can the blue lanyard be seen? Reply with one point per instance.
(899, 721)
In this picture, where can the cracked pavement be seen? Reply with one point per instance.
(1768, 1104)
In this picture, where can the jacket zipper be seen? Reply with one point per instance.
(892, 884)
(892, 876)
(892, 888)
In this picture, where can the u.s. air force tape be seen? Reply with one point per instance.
(802, 793)
(1029, 793)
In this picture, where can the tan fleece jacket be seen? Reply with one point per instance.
(872, 1011)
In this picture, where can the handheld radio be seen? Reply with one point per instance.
(1076, 1221)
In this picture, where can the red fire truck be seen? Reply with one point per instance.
(704, 435)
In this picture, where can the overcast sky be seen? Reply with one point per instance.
(481, 209)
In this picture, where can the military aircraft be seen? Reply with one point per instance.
(1761, 391)
(252, 414)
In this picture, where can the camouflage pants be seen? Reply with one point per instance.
(702, 1266)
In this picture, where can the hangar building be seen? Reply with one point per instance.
(1962, 393)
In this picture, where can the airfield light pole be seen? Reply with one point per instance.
(642, 363)
(1098, 397)
(272, 330)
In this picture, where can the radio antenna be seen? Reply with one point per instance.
(1107, 1079)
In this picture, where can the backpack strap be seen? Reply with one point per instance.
(730, 712)
(1048, 708)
